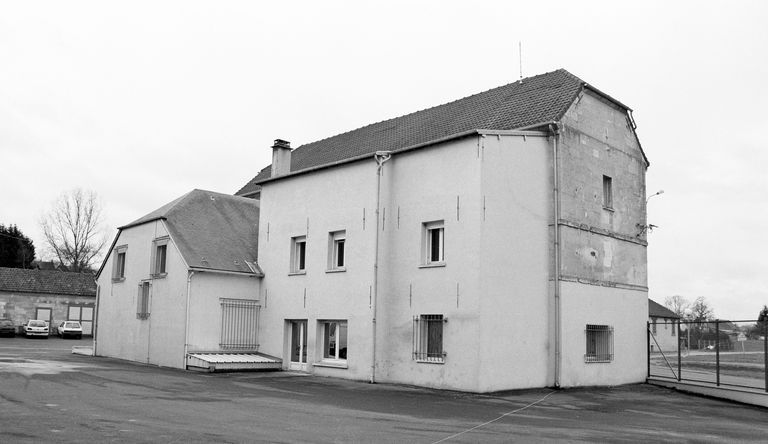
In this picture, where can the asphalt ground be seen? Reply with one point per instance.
(48, 394)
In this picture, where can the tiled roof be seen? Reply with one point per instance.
(47, 281)
(657, 310)
(211, 230)
(533, 101)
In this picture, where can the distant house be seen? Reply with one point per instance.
(182, 283)
(663, 323)
(50, 295)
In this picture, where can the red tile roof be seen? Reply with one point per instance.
(657, 310)
(533, 101)
(211, 230)
(19, 280)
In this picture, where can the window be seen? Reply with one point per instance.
(118, 264)
(653, 325)
(334, 340)
(159, 254)
(607, 192)
(298, 254)
(599, 343)
(428, 338)
(142, 306)
(336, 243)
(433, 243)
(239, 324)
(674, 327)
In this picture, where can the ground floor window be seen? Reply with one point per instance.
(239, 324)
(334, 340)
(428, 338)
(599, 343)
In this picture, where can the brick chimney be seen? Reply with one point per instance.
(281, 157)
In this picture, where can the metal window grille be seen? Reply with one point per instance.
(599, 343)
(142, 305)
(428, 338)
(239, 321)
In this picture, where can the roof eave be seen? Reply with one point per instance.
(398, 151)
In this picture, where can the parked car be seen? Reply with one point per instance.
(71, 328)
(7, 328)
(36, 327)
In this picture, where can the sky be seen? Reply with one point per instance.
(142, 102)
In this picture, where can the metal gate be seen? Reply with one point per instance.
(239, 324)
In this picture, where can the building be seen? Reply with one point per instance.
(180, 286)
(49, 295)
(663, 323)
(491, 243)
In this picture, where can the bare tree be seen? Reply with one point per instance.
(74, 230)
(677, 304)
(700, 310)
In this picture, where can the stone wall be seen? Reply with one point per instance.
(20, 307)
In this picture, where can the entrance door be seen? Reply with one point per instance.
(45, 314)
(83, 314)
(298, 345)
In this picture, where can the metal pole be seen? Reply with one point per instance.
(679, 355)
(648, 348)
(765, 352)
(717, 350)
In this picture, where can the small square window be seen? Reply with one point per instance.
(433, 243)
(118, 265)
(599, 343)
(334, 340)
(428, 338)
(336, 243)
(298, 254)
(607, 192)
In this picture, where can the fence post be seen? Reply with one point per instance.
(648, 352)
(717, 350)
(679, 354)
(765, 353)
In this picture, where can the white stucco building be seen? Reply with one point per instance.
(181, 284)
(495, 242)
(491, 243)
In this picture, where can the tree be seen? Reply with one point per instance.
(16, 249)
(700, 310)
(677, 304)
(73, 229)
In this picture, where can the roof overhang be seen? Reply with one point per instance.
(474, 132)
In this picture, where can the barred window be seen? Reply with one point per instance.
(428, 338)
(599, 343)
(239, 319)
(142, 303)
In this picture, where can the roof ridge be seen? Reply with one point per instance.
(444, 104)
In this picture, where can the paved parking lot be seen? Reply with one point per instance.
(48, 394)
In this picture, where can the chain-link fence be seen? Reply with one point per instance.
(722, 353)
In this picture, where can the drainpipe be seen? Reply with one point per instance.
(554, 130)
(381, 157)
(186, 324)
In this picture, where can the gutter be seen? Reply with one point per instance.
(555, 132)
(190, 273)
(238, 273)
(381, 158)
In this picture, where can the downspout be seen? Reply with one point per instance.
(190, 273)
(554, 130)
(381, 157)
(96, 320)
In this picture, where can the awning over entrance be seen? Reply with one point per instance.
(222, 362)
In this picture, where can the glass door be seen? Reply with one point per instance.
(298, 345)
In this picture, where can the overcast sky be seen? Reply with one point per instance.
(144, 101)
